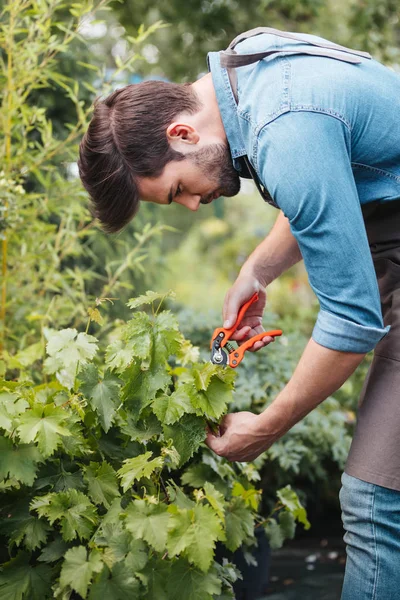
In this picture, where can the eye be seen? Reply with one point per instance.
(178, 191)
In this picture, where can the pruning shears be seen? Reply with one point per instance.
(223, 353)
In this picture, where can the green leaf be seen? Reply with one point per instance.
(196, 474)
(239, 524)
(170, 409)
(44, 425)
(148, 298)
(148, 522)
(53, 551)
(194, 532)
(74, 511)
(251, 496)
(20, 581)
(287, 523)
(119, 355)
(213, 402)
(138, 333)
(155, 576)
(32, 532)
(71, 347)
(68, 350)
(167, 338)
(187, 435)
(143, 431)
(178, 496)
(274, 534)
(202, 374)
(142, 386)
(18, 462)
(140, 466)
(120, 584)
(102, 483)
(10, 406)
(78, 569)
(137, 556)
(103, 394)
(185, 581)
(216, 499)
(290, 500)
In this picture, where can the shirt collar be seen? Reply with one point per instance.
(227, 105)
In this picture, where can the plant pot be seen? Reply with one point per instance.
(255, 578)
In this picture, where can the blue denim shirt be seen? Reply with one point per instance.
(324, 138)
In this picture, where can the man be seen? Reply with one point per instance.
(318, 125)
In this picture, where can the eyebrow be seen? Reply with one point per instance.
(170, 196)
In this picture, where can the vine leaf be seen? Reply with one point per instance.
(187, 435)
(72, 509)
(119, 584)
(148, 298)
(274, 533)
(195, 532)
(102, 483)
(239, 524)
(68, 350)
(290, 500)
(19, 462)
(18, 580)
(78, 569)
(185, 581)
(44, 425)
(213, 402)
(148, 522)
(140, 466)
(170, 409)
(103, 394)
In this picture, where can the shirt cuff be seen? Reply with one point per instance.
(336, 333)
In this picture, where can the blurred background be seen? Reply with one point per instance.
(198, 255)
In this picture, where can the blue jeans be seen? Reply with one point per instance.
(371, 519)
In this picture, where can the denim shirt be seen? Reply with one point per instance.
(324, 138)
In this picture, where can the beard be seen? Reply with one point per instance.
(215, 162)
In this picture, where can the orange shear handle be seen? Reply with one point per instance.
(236, 356)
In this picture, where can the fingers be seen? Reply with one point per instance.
(234, 299)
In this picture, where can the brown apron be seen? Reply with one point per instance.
(375, 452)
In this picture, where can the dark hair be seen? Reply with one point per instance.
(127, 138)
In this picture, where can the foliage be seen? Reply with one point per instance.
(200, 26)
(108, 488)
(53, 263)
(314, 451)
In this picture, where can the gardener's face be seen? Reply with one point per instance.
(204, 175)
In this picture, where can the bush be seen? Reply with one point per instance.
(108, 489)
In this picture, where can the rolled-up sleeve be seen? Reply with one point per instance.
(303, 158)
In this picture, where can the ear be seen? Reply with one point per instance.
(182, 132)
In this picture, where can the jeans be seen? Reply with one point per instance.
(371, 519)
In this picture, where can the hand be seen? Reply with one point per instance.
(241, 437)
(241, 291)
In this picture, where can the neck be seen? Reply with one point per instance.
(209, 117)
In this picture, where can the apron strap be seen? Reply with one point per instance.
(292, 36)
(230, 60)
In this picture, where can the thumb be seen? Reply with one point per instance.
(215, 443)
(231, 308)
(234, 299)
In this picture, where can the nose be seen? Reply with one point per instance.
(191, 202)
